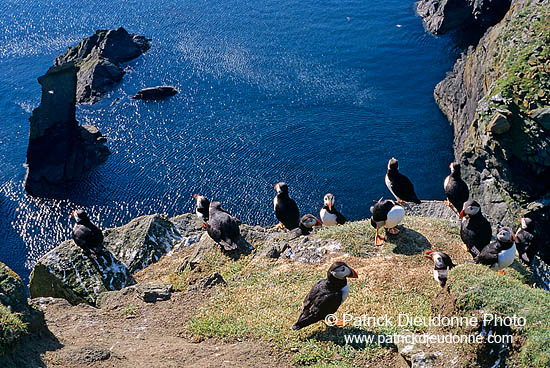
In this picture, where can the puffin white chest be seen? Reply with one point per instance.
(395, 216)
(505, 258)
(446, 182)
(440, 275)
(200, 215)
(275, 202)
(388, 184)
(328, 219)
(345, 292)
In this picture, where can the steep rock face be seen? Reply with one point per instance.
(142, 241)
(99, 57)
(67, 272)
(12, 290)
(60, 150)
(495, 99)
(441, 16)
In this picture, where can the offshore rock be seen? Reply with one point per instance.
(505, 163)
(67, 272)
(441, 16)
(60, 150)
(99, 59)
(155, 93)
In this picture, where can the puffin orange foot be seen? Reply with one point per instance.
(280, 226)
(379, 240)
(501, 272)
(204, 224)
(339, 322)
(448, 203)
(393, 231)
(399, 201)
(465, 247)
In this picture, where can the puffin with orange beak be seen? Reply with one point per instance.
(202, 207)
(388, 214)
(501, 253)
(475, 229)
(527, 240)
(326, 296)
(329, 214)
(442, 265)
(307, 223)
(85, 234)
(456, 189)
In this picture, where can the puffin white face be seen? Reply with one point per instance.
(328, 201)
(472, 210)
(343, 271)
(522, 223)
(393, 163)
(506, 235)
(310, 221)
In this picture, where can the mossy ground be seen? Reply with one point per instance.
(263, 297)
(11, 327)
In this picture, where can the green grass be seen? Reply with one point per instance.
(11, 327)
(478, 288)
(130, 311)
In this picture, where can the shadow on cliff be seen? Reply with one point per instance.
(28, 351)
(409, 242)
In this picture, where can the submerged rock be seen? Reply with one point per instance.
(99, 57)
(441, 16)
(142, 241)
(155, 93)
(67, 272)
(60, 150)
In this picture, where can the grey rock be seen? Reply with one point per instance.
(499, 124)
(155, 93)
(542, 116)
(209, 282)
(12, 290)
(142, 241)
(88, 354)
(67, 272)
(99, 58)
(152, 292)
(60, 150)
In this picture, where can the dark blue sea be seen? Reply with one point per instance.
(319, 94)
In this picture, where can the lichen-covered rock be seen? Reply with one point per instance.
(12, 290)
(99, 57)
(59, 149)
(441, 16)
(67, 272)
(142, 241)
(505, 163)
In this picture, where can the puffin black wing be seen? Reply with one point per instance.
(287, 212)
(526, 246)
(321, 301)
(87, 236)
(447, 260)
(402, 187)
(488, 255)
(476, 233)
(380, 210)
(457, 192)
(340, 219)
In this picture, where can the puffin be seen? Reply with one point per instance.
(330, 216)
(442, 265)
(202, 207)
(307, 223)
(388, 214)
(222, 227)
(501, 253)
(527, 241)
(85, 234)
(326, 296)
(475, 229)
(286, 210)
(456, 189)
(399, 185)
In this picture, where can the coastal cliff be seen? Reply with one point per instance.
(237, 309)
(497, 99)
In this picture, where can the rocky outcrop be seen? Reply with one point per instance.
(441, 16)
(142, 241)
(67, 272)
(99, 59)
(155, 93)
(60, 150)
(12, 290)
(496, 99)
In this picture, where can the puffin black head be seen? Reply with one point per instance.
(80, 216)
(527, 224)
(328, 201)
(441, 260)
(470, 208)
(393, 164)
(281, 188)
(341, 271)
(455, 169)
(202, 201)
(506, 235)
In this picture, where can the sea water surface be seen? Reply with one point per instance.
(319, 94)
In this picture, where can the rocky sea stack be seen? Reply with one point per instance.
(99, 59)
(60, 150)
(498, 101)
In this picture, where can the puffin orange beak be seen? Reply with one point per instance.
(429, 254)
(203, 224)
(195, 196)
(72, 214)
(461, 215)
(520, 220)
(319, 223)
(515, 238)
(354, 274)
(275, 187)
(330, 206)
